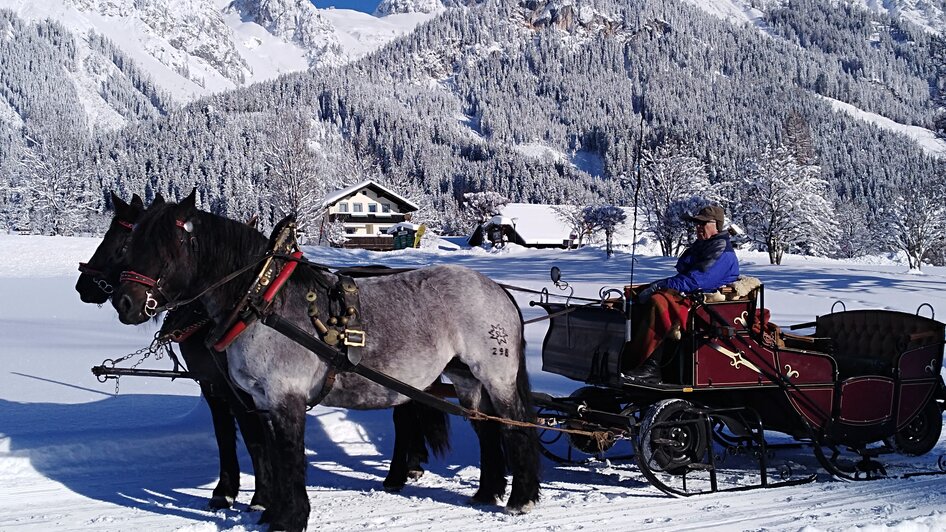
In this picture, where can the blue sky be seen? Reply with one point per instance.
(360, 5)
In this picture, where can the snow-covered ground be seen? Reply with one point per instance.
(74, 456)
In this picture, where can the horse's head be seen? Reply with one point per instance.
(160, 263)
(100, 274)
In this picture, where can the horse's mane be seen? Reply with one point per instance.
(220, 245)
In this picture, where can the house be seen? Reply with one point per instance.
(538, 226)
(526, 224)
(367, 210)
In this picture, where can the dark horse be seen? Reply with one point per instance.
(419, 324)
(415, 424)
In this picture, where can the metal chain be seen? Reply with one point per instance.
(154, 348)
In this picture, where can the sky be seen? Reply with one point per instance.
(366, 6)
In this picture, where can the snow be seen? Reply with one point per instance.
(74, 456)
(927, 139)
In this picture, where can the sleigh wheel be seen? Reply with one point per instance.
(921, 434)
(672, 437)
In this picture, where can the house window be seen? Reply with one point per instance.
(373, 207)
(343, 207)
(385, 207)
(357, 207)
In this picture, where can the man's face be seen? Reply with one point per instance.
(705, 230)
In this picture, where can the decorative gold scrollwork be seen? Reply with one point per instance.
(791, 373)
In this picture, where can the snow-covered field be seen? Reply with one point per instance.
(74, 456)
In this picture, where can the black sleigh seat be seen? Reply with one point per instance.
(870, 342)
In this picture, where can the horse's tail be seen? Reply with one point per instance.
(523, 387)
(435, 428)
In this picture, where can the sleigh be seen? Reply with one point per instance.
(861, 384)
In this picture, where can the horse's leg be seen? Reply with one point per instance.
(406, 432)
(492, 461)
(433, 434)
(520, 442)
(228, 486)
(251, 426)
(416, 426)
(289, 465)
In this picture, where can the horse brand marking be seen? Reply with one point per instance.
(499, 334)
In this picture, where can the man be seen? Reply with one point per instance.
(706, 265)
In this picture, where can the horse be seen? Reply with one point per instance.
(419, 324)
(416, 426)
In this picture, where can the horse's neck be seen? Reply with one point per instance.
(234, 248)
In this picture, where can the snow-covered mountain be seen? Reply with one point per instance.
(927, 14)
(392, 7)
(192, 48)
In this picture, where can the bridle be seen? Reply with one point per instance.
(151, 308)
(98, 276)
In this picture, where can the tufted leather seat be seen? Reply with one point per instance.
(868, 342)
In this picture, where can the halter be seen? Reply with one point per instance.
(98, 275)
(130, 276)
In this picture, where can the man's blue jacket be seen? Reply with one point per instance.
(705, 266)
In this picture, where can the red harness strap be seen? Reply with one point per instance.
(135, 277)
(273, 289)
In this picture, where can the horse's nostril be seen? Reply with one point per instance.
(124, 304)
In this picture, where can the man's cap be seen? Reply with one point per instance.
(710, 213)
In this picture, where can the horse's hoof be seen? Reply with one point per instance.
(415, 474)
(220, 502)
(520, 510)
(392, 488)
(483, 500)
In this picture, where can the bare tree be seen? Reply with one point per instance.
(605, 218)
(56, 191)
(783, 204)
(294, 185)
(672, 182)
(917, 222)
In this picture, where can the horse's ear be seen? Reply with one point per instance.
(158, 200)
(190, 202)
(122, 209)
(136, 202)
(117, 202)
(277, 231)
(253, 221)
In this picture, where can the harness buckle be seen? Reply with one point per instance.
(358, 341)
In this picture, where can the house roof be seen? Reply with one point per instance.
(405, 204)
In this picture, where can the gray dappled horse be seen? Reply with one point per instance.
(415, 424)
(419, 324)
